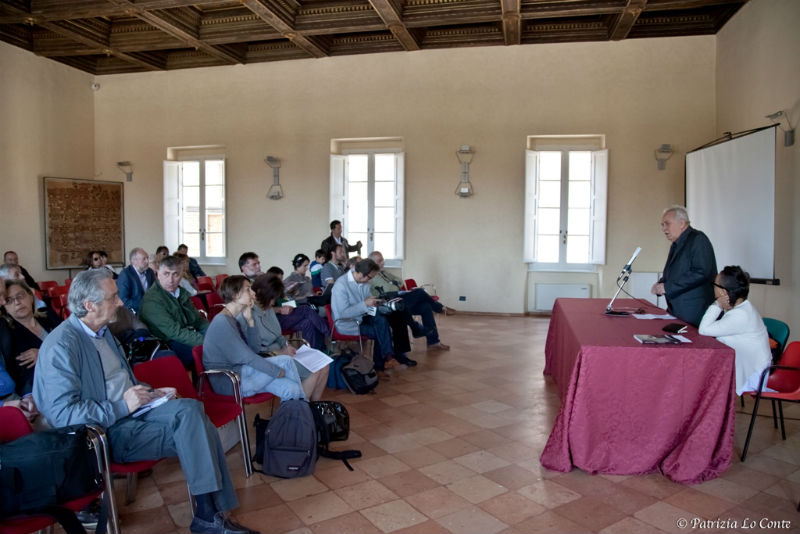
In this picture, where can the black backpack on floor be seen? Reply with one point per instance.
(359, 375)
(333, 424)
(286, 444)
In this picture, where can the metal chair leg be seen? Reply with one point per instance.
(108, 478)
(248, 463)
(750, 430)
(783, 427)
(774, 416)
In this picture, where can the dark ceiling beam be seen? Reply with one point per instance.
(625, 21)
(178, 29)
(65, 29)
(285, 27)
(394, 21)
(512, 22)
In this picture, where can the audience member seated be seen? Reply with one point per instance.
(14, 272)
(7, 384)
(232, 345)
(354, 312)
(194, 267)
(334, 268)
(271, 342)
(250, 265)
(301, 318)
(188, 282)
(104, 263)
(336, 238)
(298, 285)
(135, 279)
(84, 379)
(12, 258)
(169, 313)
(27, 328)
(733, 320)
(320, 259)
(161, 252)
(416, 302)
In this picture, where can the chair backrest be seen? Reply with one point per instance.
(63, 304)
(777, 330)
(13, 424)
(205, 286)
(46, 285)
(410, 283)
(167, 371)
(67, 282)
(785, 380)
(205, 279)
(57, 290)
(215, 304)
(219, 278)
(198, 303)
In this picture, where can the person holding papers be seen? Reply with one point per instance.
(230, 345)
(268, 290)
(734, 321)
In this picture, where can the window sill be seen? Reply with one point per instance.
(551, 268)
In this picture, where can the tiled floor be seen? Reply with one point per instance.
(453, 445)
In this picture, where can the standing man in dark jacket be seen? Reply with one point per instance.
(688, 279)
(336, 238)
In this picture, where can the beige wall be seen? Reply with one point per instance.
(639, 93)
(47, 129)
(757, 74)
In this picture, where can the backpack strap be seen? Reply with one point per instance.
(325, 452)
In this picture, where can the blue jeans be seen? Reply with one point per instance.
(287, 388)
(377, 328)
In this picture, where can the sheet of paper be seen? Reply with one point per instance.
(155, 403)
(653, 316)
(682, 339)
(312, 359)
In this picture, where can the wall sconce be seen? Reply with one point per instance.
(662, 154)
(464, 155)
(275, 191)
(127, 168)
(788, 132)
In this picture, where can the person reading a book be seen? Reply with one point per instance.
(733, 320)
(232, 345)
(268, 289)
(82, 377)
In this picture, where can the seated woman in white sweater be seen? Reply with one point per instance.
(228, 345)
(735, 322)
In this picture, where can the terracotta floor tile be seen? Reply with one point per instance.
(491, 406)
(446, 472)
(408, 483)
(273, 519)
(382, 466)
(420, 457)
(338, 476)
(549, 522)
(437, 502)
(393, 516)
(548, 493)
(429, 435)
(476, 489)
(428, 527)
(512, 508)
(485, 439)
(654, 485)
(181, 514)
(396, 443)
(512, 476)
(264, 497)
(727, 490)
(664, 516)
(472, 520)
(623, 499)
(318, 508)
(352, 523)
(148, 521)
(588, 485)
(292, 489)
(481, 461)
(513, 451)
(630, 525)
(398, 400)
(453, 448)
(592, 513)
(700, 503)
(366, 494)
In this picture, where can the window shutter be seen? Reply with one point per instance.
(172, 203)
(338, 190)
(531, 197)
(399, 206)
(599, 203)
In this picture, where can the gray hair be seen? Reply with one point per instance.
(5, 270)
(374, 255)
(86, 286)
(679, 211)
(136, 251)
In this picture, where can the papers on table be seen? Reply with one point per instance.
(155, 403)
(666, 339)
(312, 359)
(653, 316)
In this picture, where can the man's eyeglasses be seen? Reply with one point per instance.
(721, 287)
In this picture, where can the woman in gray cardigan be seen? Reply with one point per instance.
(228, 345)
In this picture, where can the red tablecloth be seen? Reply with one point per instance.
(628, 408)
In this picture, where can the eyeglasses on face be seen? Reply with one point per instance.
(14, 300)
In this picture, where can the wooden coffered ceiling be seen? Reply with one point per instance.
(117, 36)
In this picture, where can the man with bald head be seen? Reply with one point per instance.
(135, 279)
(688, 279)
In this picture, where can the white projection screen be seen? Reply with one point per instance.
(730, 195)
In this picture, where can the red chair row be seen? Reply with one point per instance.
(212, 305)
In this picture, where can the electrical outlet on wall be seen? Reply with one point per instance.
(462, 298)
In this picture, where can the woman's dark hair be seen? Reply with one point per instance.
(162, 248)
(736, 283)
(299, 260)
(232, 286)
(268, 288)
(22, 285)
(88, 260)
(275, 270)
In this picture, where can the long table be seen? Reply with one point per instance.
(630, 409)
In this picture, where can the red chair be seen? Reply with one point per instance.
(338, 336)
(68, 282)
(198, 303)
(205, 287)
(785, 380)
(215, 304)
(13, 425)
(410, 284)
(218, 280)
(168, 371)
(55, 298)
(63, 304)
(46, 285)
(205, 280)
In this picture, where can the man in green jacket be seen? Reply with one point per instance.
(169, 313)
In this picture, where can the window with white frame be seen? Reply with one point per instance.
(367, 195)
(194, 206)
(565, 203)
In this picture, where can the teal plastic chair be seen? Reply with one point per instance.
(777, 330)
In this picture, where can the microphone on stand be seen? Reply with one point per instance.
(623, 276)
(627, 269)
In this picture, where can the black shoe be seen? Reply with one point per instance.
(419, 331)
(402, 358)
(220, 525)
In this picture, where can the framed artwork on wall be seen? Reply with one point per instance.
(81, 216)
